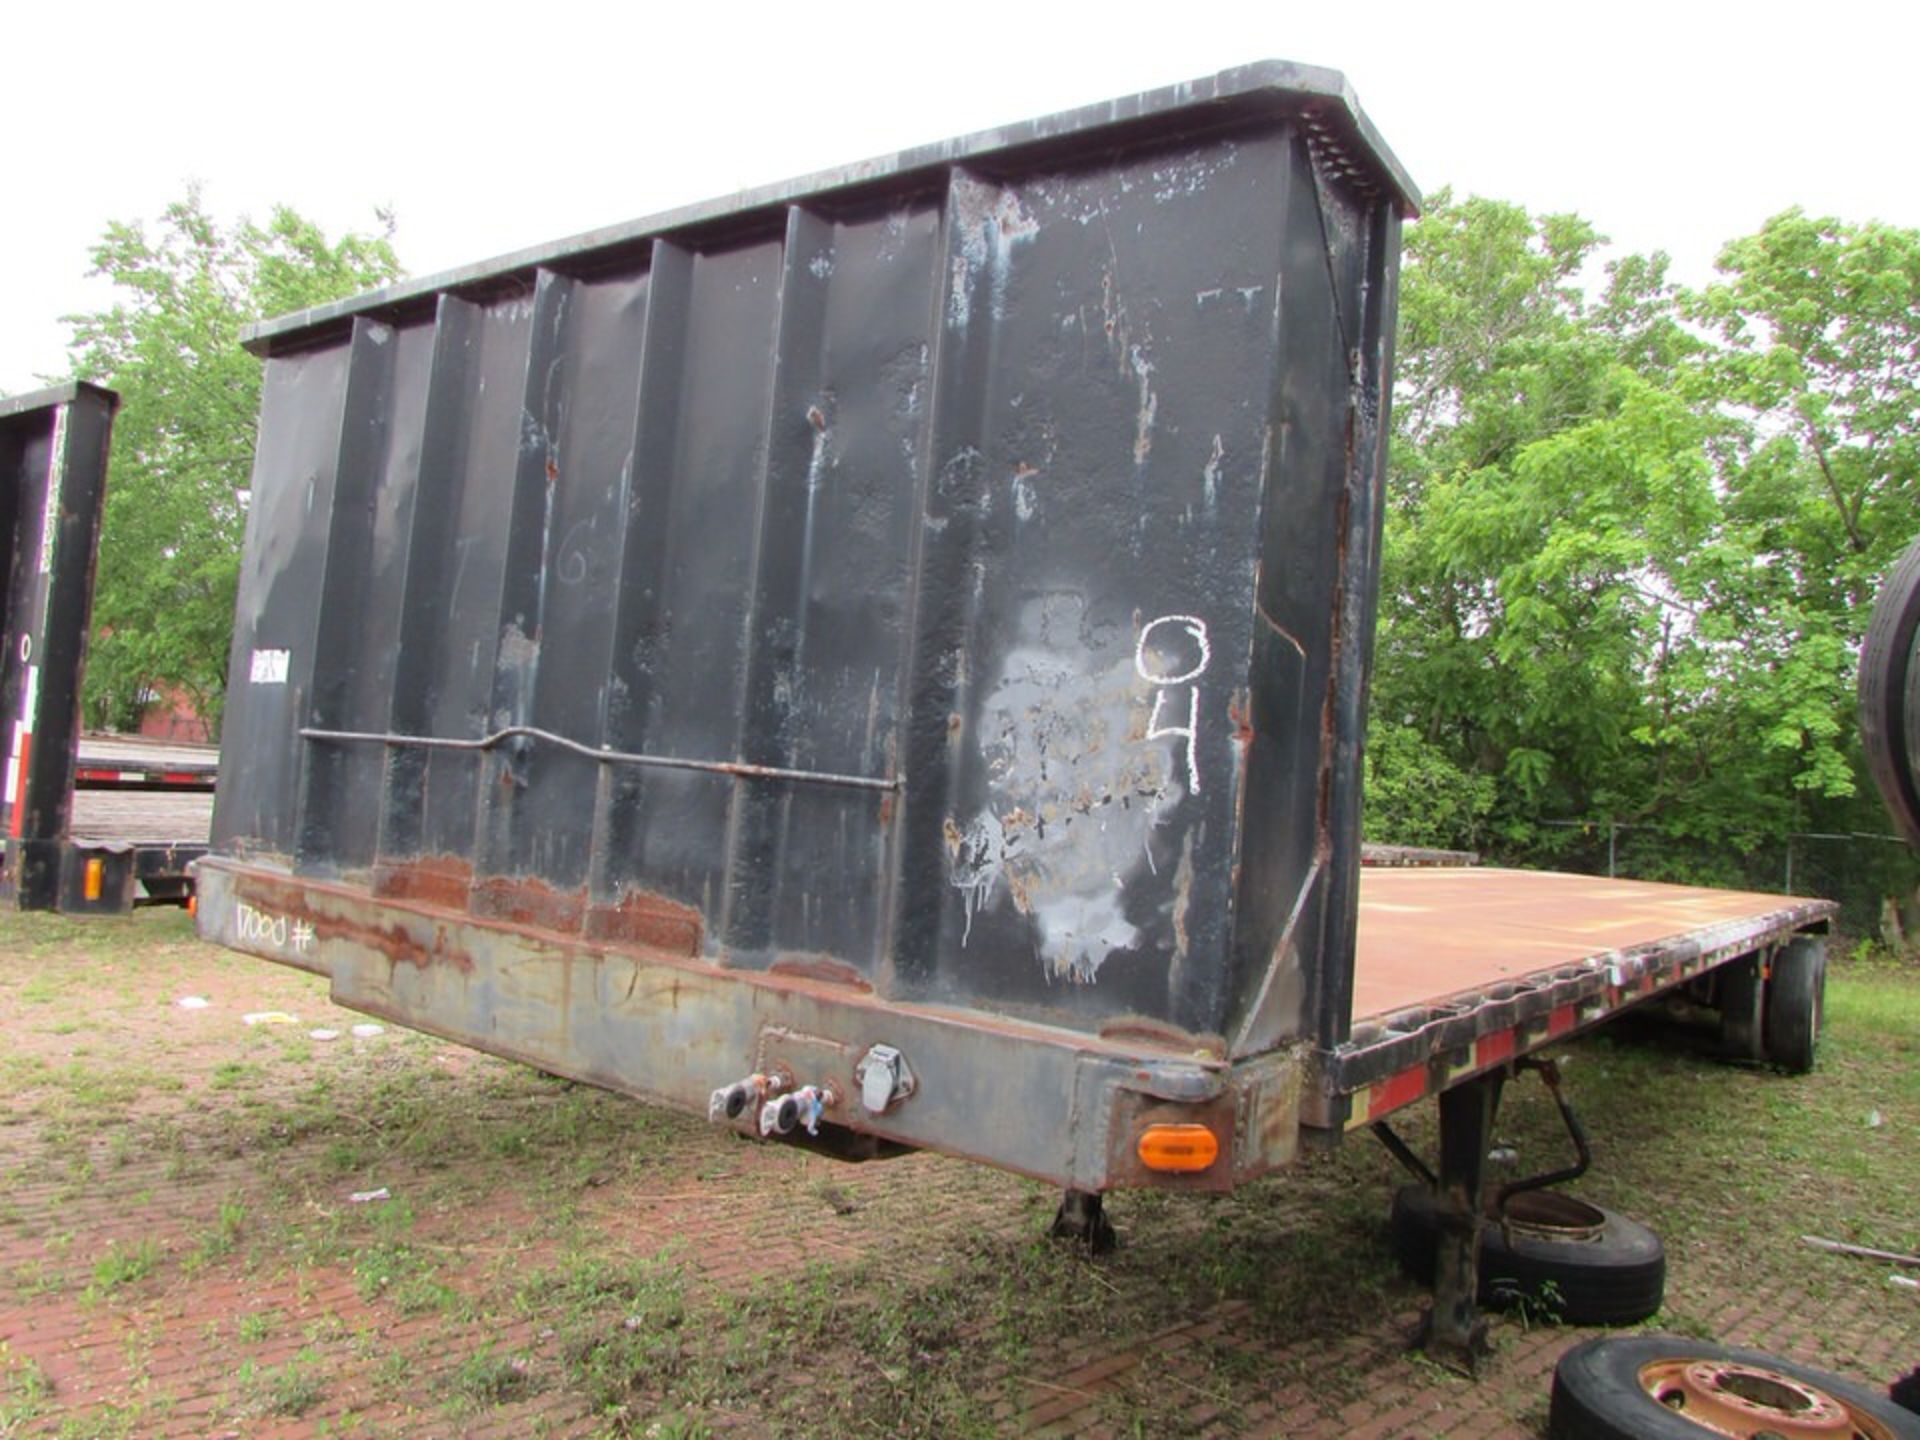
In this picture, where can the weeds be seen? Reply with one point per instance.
(122, 1265)
(288, 1390)
(254, 1327)
(25, 1391)
(489, 1378)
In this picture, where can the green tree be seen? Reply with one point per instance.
(1818, 362)
(1819, 323)
(1546, 488)
(1631, 539)
(183, 440)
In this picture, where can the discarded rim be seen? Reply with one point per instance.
(1747, 1401)
(1670, 1387)
(1552, 1215)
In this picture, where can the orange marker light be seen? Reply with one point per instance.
(1178, 1149)
(94, 880)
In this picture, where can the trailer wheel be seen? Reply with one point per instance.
(1665, 1387)
(1796, 999)
(1556, 1258)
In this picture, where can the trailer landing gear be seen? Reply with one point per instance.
(1527, 1246)
(1455, 1330)
(1082, 1217)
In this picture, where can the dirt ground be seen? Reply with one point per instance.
(210, 1227)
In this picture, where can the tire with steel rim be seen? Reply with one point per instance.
(1667, 1387)
(1552, 1256)
(1796, 1003)
(1889, 692)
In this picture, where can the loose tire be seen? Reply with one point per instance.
(1796, 1001)
(1556, 1257)
(1665, 1387)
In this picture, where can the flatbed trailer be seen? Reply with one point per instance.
(882, 660)
(1459, 971)
(143, 810)
(130, 762)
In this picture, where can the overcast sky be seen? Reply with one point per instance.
(488, 128)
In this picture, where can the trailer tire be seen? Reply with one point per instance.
(1641, 1387)
(1558, 1258)
(1796, 1001)
(1888, 678)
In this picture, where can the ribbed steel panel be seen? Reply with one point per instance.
(951, 578)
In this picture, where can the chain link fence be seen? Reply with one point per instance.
(1874, 877)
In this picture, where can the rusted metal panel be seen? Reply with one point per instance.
(953, 575)
(1047, 1101)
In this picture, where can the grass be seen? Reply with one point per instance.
(488, 1377)
(123, 1265)
(25, 1392)
(924, 1290)
(288, 1390)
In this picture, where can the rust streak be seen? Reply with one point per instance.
(650, 920)
(393, 941)
(822, 967)
(1240, 716)
(443, 880)
(1138, 1028)
(526, 900)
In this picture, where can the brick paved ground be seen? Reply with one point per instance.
(179, 1255)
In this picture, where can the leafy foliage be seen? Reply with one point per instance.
(1632, 537)
(183, 440)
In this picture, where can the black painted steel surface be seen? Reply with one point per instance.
(53, 473)
(1889, 692)
(954, 575)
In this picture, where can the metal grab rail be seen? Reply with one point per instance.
(738, 769)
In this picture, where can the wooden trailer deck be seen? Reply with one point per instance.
(1460, 969)
(142, 817)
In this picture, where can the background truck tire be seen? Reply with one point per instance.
(1887, 676)
(1632, 1387)
(1607, 1269)
(1796, 1000)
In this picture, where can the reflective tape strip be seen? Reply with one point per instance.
(1491, 1050)
(1397, 1090)
(18, 784)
